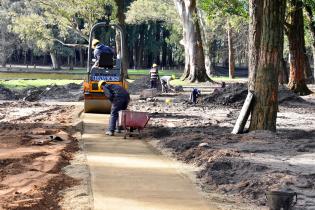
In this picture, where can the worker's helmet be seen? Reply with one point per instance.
(173, 76)
(154, 65)
(100, 84)
(94, 43)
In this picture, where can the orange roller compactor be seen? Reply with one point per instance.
(111, 72)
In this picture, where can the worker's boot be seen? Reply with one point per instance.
(118, 129)
(109, 133)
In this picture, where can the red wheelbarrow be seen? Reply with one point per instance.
(130, 121)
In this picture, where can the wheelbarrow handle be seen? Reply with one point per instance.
(296, 199)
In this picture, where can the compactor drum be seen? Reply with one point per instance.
(111, 72)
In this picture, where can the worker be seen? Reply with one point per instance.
(220, 89)
(154, 75)
(194, 95)
(100, 49)
(119, 97)
(165, 83)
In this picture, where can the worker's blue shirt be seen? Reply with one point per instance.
(100, 49)
(116, 93)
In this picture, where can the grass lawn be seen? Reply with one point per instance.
(22, 84)
(15, 76)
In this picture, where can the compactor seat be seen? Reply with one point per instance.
(106, 61)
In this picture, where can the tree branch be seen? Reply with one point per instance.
(71, 45)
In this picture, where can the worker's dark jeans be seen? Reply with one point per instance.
(116, 107)
(153, 83)
(165, 87)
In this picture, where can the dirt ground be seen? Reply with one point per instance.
(234, 170)
(66, 93)
(36, 142)
(237, 170)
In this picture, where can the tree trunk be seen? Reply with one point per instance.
(170, 60)
(295, 33)
(82, 57)
(121, 7)
(25, 57)
(195, 70)
(54, 61)
(3, 55)
(213, 52)
(3, 62)
(313, 60)
(311, 17)
(255, 27)
(231, 53)
(164, 47)
(308, 70)
(283, 77)
(140, 47)
(264, 113)
(134, 56)
(44, 59)
(72, 62)
(157, 53)
(207, 42)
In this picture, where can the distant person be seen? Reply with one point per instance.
(194, 95)
(154, 75)
(166, 83)
(120, 98)
(99, 50)
(220, 89)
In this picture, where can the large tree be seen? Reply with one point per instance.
(8, 40)
(50, 23)
(231, 14)
(310, 10)
(121, 19)
(163, 10)
(195, 70)
(255, 29)
(298, 56)
(265, 107)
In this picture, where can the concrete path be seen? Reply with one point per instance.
(131, 175)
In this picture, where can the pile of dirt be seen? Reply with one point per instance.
(235, 94)
(139, 84)
(231, 95)
(70, 92)
(7, 94)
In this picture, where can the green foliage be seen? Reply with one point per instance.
(8, 40)
(32, 28)
(68, 15)
(159, 11)
(47, 23)
(225, 7)
(143, 11)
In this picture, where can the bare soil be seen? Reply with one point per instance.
(37, 171)
(36, 142)
(237, 170)
(69, 93)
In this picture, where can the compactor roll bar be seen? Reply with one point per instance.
(122, 47)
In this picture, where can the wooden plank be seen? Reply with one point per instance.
(244, 114)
